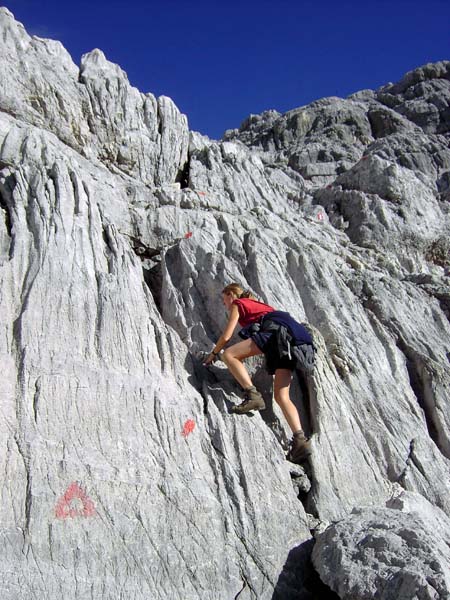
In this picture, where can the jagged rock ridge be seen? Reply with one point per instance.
(337, 212)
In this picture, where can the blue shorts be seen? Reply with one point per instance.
(266, 342)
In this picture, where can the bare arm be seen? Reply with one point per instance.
(226, 335)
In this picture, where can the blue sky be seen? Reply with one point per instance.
(221, 61)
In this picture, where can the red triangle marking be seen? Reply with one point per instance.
(63, 509)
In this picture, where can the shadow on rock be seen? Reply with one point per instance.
(216, 377)
(299, 580)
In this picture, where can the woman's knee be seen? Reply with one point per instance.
(283, 399)
(226, 355)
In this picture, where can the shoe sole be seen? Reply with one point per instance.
(238, 411)
(301, 457)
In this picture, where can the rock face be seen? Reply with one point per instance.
(124, 474)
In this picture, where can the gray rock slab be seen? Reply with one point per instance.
(376, 195)
(389, 553)
(422, 96)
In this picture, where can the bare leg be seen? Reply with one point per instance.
(233, 357)
(281, 385)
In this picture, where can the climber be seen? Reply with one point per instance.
(280, 338)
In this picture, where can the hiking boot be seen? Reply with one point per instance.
(300, 448)
(252, 401)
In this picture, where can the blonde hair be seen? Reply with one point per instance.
(235, 288)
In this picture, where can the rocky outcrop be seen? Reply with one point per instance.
(388, 553)
(423, 97)
(407, 121)
(93, 109)
(318, 141)
(123, 470)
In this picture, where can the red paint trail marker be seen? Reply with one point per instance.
(188, 235)
(188, 428)
(65, 507)
(320, 216)
(201, 193)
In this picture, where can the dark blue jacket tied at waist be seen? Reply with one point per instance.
(293, 340)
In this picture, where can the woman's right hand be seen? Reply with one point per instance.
(210, 359)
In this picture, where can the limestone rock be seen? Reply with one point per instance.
(387, 554)
(318, 141)
(124, 471)
(421, 153)
(97, 392)
(422, 96)
(92, 109)
(376, 196)
(136, 133)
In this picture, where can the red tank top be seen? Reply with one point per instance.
(251, 310)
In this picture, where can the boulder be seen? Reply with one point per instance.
(401, 551)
